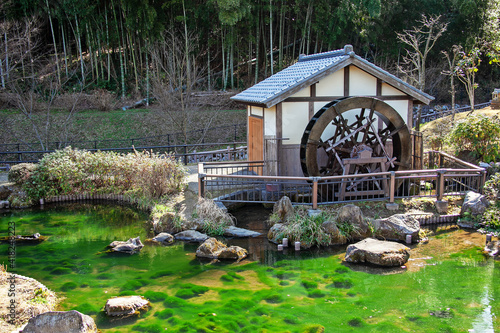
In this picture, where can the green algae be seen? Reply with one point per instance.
(309, 291)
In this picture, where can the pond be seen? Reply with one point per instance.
(452, 287)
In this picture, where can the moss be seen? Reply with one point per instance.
(152, 328)
(174, 302)
(155, 296)
(341, 284)
(161, 274)
(61, 271)
(68, 286)
(134, 284)
(164, 314)
(104, 276)
(87, 309)
(309, 284)
(292, 320)
(355, 322)
(227, 278)
(315, 293)
(191, 290)
(314, 329)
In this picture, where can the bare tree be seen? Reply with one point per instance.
(451, 60)
(466, 69)
(420, 40)
(177, 82)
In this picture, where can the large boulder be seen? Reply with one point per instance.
(61, 322)
(239, 232)
(275, 233)
(191, 236)
(167, 223)
(5, 192)
(131, 246)
(353, 215)
(214, 249)
(492, 248)
(474, 204)
(396, 227)
(381, 253)
(163, 238)
(126, 305)
(284, 209)
(331, 228)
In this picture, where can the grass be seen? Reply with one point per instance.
(108, 125)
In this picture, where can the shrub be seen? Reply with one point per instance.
(478, 134)
(70, 171)
(492, 187)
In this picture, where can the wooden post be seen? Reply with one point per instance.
(440, 184)
(201, 185)
(185, 155)
(315, 192)
(392, 186)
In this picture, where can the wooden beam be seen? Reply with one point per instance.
(279, 135)
(346, 81)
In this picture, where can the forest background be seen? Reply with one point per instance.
(55, 54)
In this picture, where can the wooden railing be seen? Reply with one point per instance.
(243, 182)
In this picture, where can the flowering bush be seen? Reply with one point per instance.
(72, 171)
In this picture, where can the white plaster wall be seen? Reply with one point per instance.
(332, 85)
(306, 92)
(401, 107)
(361, 83)
(390, 90)
(270, 121)
(294, 121)
(256, 111)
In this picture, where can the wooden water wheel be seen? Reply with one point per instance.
(355, 135)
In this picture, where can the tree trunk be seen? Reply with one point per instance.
(54, 41)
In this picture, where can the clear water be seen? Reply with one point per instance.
(457, 290)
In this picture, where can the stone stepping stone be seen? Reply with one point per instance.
(381, 253)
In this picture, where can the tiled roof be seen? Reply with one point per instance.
(290, 77)
(309, 68)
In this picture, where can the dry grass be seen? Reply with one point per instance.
(215, 220)
(443, 126)
(32, 298)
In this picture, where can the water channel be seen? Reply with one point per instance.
(447, 286)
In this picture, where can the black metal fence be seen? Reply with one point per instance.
(432, 114)
(218, 151)
(230, 133)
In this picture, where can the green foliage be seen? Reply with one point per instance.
(147, 176)
(490, 220)
(492, 187)
(478, 134)
(306, 230)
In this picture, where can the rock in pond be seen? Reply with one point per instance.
(474, 204)
(353, 215)
(214, 249)
(125, 306)
(191, 236)
(131, 246)
(381, 253)
(284, 209)
(61, 322)
(4, 204)
(275, 233)
(239, 232)
(331, 228)
(5, 192)
(163, 238)
(396, 227)
(23, 239)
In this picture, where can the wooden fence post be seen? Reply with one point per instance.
(440, 184)
(392, 186)
(315, 192)
(201, 185)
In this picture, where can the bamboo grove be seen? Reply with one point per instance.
(126, 46)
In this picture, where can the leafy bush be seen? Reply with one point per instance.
(490, 220)
(478, 134)
(70, 171)
(19, 173)
(492, 187)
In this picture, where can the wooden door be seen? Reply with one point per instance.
(255, 139)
